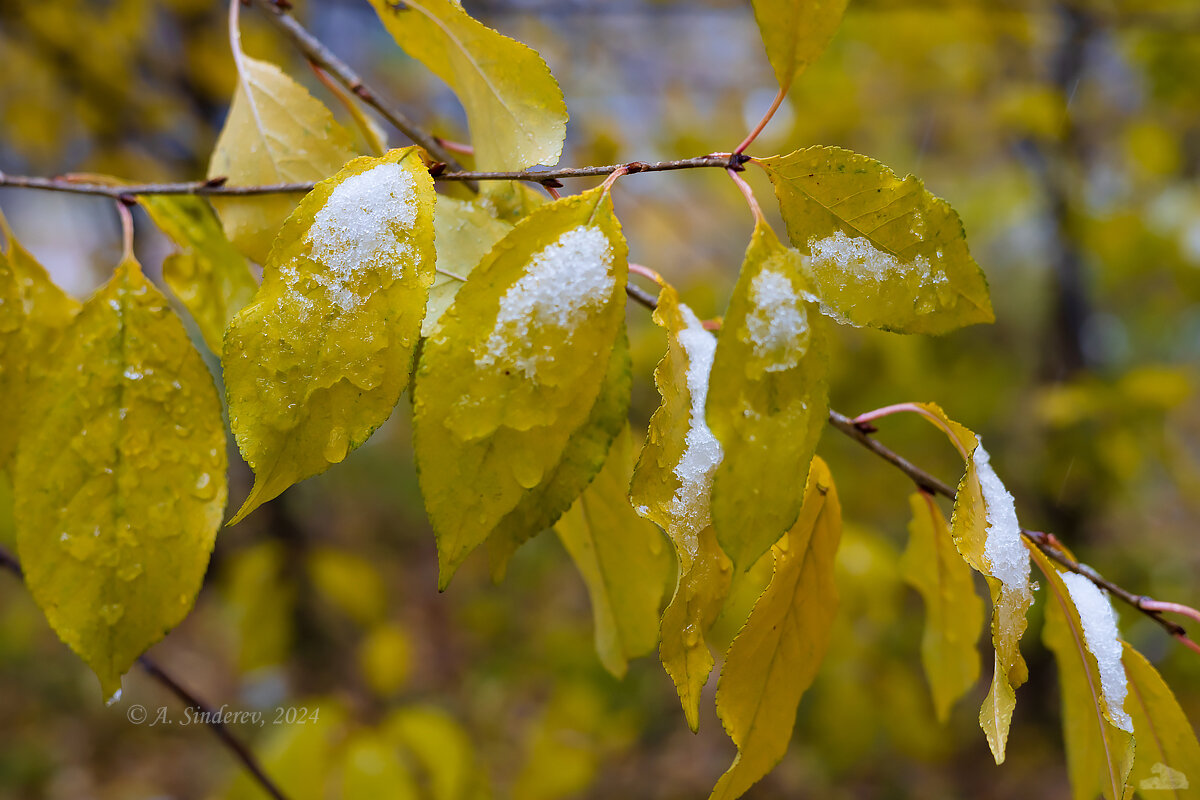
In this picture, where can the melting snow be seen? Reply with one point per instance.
(702, 451)
(354, 232)
(856, 255)
(1005, 552)
(563, 279)
(778, 325)
(1100, 635)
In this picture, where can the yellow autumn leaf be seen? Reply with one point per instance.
(671, 487)
(767, 400)
(883, 251)
(302, 759)
(348, 582)
(319, 358)
(276, 132)
(621, 558)
(208, 275)
(796, 32)
(953, 611)
(514, 368)
(439, 746)
(583, 457)
(464, 233)
(259, 596)
(775, 657)
(1082, 633)
(120, 477)
(514, 107)
(1167, 762)
(371, 766)
(988, 536)
(33, 314)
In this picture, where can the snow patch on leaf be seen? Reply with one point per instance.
(355, 231)
(702, 451)
(778, 325)
(1005, 552)
(1102, 639)
(563, 279)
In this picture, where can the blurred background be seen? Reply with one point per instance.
(1067, 135)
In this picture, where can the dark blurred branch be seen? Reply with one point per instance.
(210, 715)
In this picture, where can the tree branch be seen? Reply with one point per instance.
(216, 186)
(1043, 541)
(152, 668)
(316, 52)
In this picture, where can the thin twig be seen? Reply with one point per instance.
(1043, 541)
(210, 715)
(315, 51)
(120, 191)
(213, 719)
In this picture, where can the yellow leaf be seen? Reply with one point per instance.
(208, 275)
(884, 252)
(1096, 728)
(585, 454)
(621, 558)
(261, 598)
(1167, 763)
(319, 358)
(514, 106)
(301, 758)
(796, 32)
(440, 747)
(349, 582)
(276, 132)
(767, 401)
(988, 536)
(510, 374)
(775, 657)
(671, 486)
(953, 611)
(386, 659)
(464, 233)
(33, 314)
(120, 481)
(372, 768)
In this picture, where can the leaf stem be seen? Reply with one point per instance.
(747, 193)
(750, 137)
(126, 230)
(880, 413)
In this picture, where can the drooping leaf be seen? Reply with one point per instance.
(671, 487)
(767, 401)
(1167, 762)
(621, 558)
(259, 595)
(208, 275)
(319, 358)
(988, 536)
(120, 477)
(953, 611)
(585, 454)
(1097, 731)
(514, 106)
(465, 232)
(302, 759)
(510, 373)
(276, 132)
(883, 251)
(796, 32)
(775, 657)
(33, 314)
